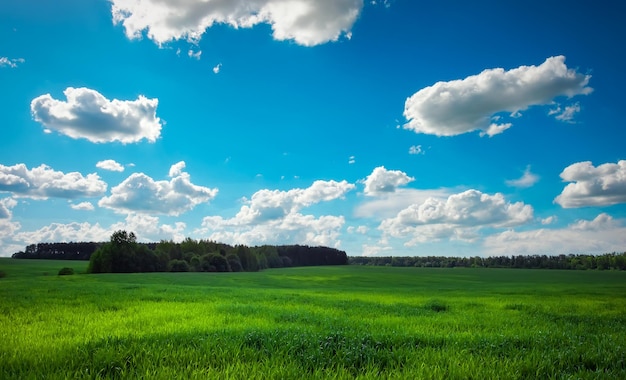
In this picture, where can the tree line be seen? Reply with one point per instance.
(206, 255)
(58, 251)
(123, 254)
(616, 261)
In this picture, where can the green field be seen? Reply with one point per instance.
(313, 322)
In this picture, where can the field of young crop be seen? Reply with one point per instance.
(313, 322)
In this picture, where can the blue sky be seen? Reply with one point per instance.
(377, 127)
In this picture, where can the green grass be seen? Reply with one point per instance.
(316, 322)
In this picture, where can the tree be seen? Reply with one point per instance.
(234, 262)
(219, 262)
(122, 254)
(178, 266)
(248, 260)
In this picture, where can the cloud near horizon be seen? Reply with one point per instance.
(273, 217)
(44, 182)
(601, 235)
(459, 217)
(604, 185)
(470, 104)
(306, 22)
(87, 114)
(146, 227)
(141, 194)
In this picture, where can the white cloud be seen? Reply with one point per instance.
(273, 217)
(10, 62)
(8, 245)
(293, 228)
(461, 106)
(140, 193)
(527, 179)
(43, 182)
(307, 22)
(177, 169)
(6, 204)
(275, 204)
(89, 115)
(416, 149)
(8, 228)
(146, 228)
(194, 54)
(351, 160)
(495, 129)
(604, 185)
(387, 205)
(567, 114)
(374, 250)
(85, 206)
(600, 235)
(217, 68)
(383, 181)
(459, 217)
(110, 165)
(57, 232)
(359, 230)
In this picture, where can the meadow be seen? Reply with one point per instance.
(311, 322)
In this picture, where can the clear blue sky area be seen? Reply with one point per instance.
(392, 127)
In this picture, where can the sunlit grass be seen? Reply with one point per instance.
(320, 322)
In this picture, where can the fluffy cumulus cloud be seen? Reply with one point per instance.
(307, 22)
(87, 114)
(43, 182)
(268, 205)
(273, 217)
(527, 179)
(382, 181)
(459, 217)
(387, 205)
(149, 228)
(8, 228)
(58, 232)
(593, 186)
(294, 228)
(140, 193)
(6, 204)
(110, 165)
(461, 106)
(601, 235)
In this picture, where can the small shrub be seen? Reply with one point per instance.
(66, 271)
(436, 306)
